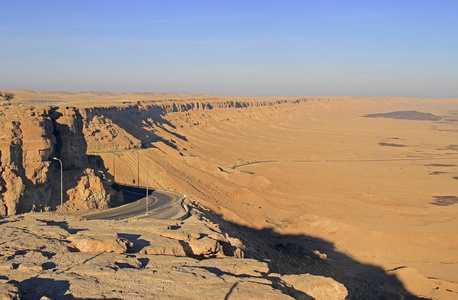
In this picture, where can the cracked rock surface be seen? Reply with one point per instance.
(50, 256)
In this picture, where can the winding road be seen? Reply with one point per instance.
(161, 205)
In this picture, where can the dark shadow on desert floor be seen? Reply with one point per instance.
(390, 144)
(445, 200)
(406, 115)
(36, 288)
(302, 254)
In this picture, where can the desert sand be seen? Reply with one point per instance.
(367, 191)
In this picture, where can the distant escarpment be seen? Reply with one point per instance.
(111, 128)
(30, 177)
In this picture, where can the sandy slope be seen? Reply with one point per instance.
(369, 186)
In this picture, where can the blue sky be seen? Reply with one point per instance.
(253, 48)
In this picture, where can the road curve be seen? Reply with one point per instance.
(161, 205)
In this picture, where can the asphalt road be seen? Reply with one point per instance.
(161, 205)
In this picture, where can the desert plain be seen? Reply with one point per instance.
(370, 184)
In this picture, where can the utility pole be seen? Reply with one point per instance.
(138, 169)
(165, 172)
(146, 211)
(186, 184)
(186, 160)
(186, 180)
(114, 167)
(61, 187)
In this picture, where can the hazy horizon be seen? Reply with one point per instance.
(259, 48)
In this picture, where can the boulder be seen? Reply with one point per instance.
(30, 268)
(89, 193)
(30, 178)
(203, 247)
(102, 241)
(159, 245)
(318, 287)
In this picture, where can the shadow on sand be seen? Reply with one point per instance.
(36, 288)
(302, 254)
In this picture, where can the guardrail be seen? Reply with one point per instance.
(186, 210)
(180, 202)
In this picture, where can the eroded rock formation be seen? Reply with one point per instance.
(30, 178)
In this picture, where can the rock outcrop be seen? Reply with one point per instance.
(26, 142)
(30, 178)
(98, 259)
(103, 134)
(318, 287)
(8, 291)
(91, 192)
(100, 241)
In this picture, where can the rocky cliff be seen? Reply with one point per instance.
(130, 125)
(31, 136)
(30, 178)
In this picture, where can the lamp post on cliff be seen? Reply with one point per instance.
(115, 154)
(186, 161)
(165, 172)
(186, 185)
(138, 169)
(146, 197)
(146, 211)
(114, 167)
(165, 168)
(61, 187)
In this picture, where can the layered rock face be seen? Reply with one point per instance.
(104, 135)
(109, 129)
(30, 178)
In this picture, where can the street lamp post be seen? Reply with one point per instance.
(186, 180)
(165, 168)
(61, 187)
(186, 160)
(186, 184)
(146, 186)
(114, 167)
(146, 198)
(165, 172)
(138, 169)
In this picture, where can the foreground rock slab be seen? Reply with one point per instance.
(49, 256)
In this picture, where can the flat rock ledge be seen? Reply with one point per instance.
(49, 256)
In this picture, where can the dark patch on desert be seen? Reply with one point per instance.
(391, 144)
(437, 173)
(445, 200)
(406, 115)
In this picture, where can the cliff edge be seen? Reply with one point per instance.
(30, 178)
